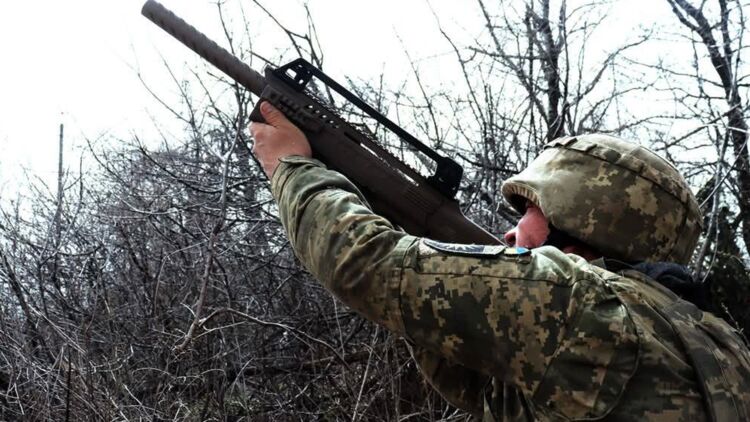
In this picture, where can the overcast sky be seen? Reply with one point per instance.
(76, 62)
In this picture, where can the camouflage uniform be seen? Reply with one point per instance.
(523, 335)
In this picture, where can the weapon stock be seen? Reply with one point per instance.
(421, 206)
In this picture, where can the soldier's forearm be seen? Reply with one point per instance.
(355, 253)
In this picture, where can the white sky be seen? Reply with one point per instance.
(74, 62)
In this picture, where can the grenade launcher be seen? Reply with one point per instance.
(422, 206)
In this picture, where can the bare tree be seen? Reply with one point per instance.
(715, 97)
(158, 284)
(723, 42)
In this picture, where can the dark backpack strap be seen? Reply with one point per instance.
(718, 354)
(719, 386)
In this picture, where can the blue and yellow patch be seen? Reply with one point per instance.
(479, 251)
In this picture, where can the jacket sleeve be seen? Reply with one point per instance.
(502, 313)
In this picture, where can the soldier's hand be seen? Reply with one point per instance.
(277, 138)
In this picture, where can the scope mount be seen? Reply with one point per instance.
(447, 176)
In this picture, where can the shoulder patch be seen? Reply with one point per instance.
(478, 251)
(517, 251)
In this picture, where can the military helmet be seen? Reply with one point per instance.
(615, 196)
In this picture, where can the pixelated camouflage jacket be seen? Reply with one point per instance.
(573, 340)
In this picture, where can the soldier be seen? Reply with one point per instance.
(568, 322)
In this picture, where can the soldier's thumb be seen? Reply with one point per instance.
(272, 115)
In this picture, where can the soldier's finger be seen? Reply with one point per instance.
(255, 127)
(261, 131)
(273, 116)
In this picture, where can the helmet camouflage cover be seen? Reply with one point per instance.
(616, 196)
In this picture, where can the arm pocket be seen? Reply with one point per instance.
(596, 359)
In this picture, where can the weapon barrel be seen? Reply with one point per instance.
(209, 50)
